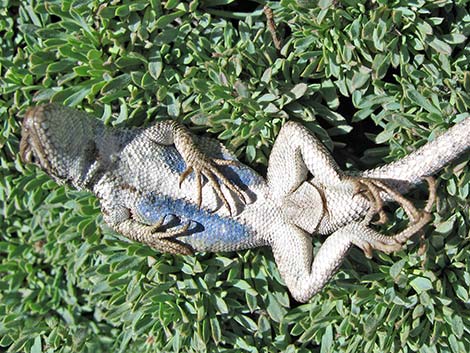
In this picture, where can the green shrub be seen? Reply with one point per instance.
(396, 71)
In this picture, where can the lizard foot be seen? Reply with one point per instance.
(381, 243)
(371, 190)
(153, 236)
(173, 232)
(424, 215)
(162, 238)
(170, 246)
(204, 166)
(418, 219)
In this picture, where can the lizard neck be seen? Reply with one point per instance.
(101, 154)
(107, 153)
(86, 169)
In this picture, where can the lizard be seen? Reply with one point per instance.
(181, 193)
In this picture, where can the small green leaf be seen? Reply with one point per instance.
(455, 38)
(266, 78)
(155, 66)
(421, 101)
(384, 136)
(171, 4)
(274, 309)
(421, 284)
(440, 46)
(174, 107)
(396, 268)
(328, 91)
(299, 90)
(123, 11)
(327, 340)
(455, 345)
(241, 89)
(116, 83)
(165, 20)
(466, 81)
(250, 152)
(446, 226)
(77, 97)
(37, 345)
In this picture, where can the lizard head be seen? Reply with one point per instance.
(60, 141)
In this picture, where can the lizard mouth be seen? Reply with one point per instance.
(34, 135)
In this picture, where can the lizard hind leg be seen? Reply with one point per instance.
(306, 274)
(296, 153)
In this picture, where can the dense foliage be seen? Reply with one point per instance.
(396, 72)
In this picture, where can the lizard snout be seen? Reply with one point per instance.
(33, 135)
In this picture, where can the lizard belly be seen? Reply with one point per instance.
(208, 231)
(163, 167)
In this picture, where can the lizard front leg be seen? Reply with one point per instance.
(172, 133)
(121, 220)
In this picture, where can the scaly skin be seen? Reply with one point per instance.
(149, 182)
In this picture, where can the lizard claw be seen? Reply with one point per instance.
(372, 192)
(154, 236)
(203, 166)
(163, 238)
(174, 232)
(372, 188)
(432, 193)
(385, 245)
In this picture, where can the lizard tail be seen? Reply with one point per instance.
(426, 160)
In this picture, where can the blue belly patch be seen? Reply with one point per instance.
(207, 231)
